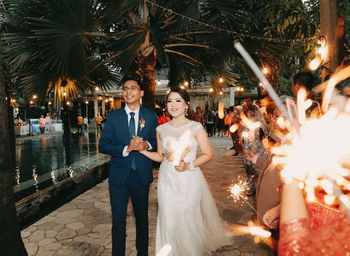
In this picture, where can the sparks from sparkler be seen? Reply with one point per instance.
(245, 134)
(238, 188)
(258, 232)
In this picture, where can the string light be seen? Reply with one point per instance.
(229, 32)
(265, 70)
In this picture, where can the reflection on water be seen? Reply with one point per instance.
(37, 158)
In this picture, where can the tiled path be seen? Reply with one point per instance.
(82, 226)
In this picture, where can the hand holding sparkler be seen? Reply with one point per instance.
(271, 217)
(183, 166)
(179, 147)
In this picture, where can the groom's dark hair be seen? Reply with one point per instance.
(133, 78)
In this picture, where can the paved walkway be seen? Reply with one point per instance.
(82, 226)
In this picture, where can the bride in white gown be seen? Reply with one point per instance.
(188, 219)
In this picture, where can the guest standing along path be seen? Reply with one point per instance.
(82, 226)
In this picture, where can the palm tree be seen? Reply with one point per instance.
(196, 37)
(50, 46)
(90, 41)
(10, 238)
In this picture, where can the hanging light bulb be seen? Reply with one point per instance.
(265, 70)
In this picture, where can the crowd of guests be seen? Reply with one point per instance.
(298, 227)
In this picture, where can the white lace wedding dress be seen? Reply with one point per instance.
(188, 219)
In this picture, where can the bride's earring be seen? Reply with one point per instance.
(186, 111)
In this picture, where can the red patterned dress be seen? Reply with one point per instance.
(325, 232)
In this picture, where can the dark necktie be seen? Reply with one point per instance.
(132, 124)
(132, 133)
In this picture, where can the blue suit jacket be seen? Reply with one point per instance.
(116, 136)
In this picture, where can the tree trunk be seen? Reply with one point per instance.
(11, 123)
(328, 23)
(147, 67)
(10, 237)
(150, 88)
(275, 76)
(65, 120)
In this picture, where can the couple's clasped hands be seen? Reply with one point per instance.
(137, 144)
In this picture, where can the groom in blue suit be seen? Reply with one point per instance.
(127, 131)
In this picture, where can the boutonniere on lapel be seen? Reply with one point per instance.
(142, 123)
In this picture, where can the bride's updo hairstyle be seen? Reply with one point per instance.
(182, 92)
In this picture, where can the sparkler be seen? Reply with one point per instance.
(325, 161)
(261, 77)
(180, 146)
(238, 189)
(166, 249)
(258, 232)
